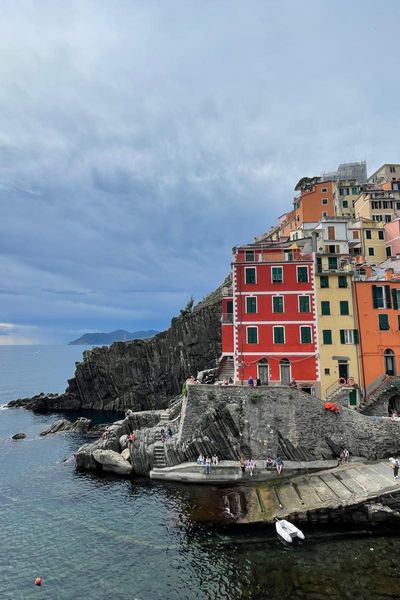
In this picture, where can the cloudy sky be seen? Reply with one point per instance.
(141, 140)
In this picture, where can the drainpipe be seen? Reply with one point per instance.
(361, 374)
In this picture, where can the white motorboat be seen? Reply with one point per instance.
(287, 531)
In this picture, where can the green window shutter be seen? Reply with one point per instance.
(325, 307)
(302, 274)
(251, 305)
(383, 322)
(398, 320)
(304, 304)
(324, 281)
(344, 307)
(279, 336)
(395, 299)
(250, 275)
(327, 336)
(388, 296)
(277, 274)
(252, 335)
(342, 281)
(277, 304)
(342, 338)
(305, 335)
(374, 297)
(356, 336)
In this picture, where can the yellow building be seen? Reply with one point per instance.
(337, 334)
(367, 241)
(376, 204)
(345, 194)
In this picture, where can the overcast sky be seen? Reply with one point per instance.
(140, 141)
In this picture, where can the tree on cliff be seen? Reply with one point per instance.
(306, 183)
(188, 308)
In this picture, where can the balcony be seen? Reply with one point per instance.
(227, 318)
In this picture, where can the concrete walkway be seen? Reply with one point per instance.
(228, 471)
(344, 486)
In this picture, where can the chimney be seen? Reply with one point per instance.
(389, 274)
(368, 271)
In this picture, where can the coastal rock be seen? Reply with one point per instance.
(125, 454)
(82, 425)
(19, 436)
(112, 462)
(140, 374)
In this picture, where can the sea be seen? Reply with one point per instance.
(95, 537)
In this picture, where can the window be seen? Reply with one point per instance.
(381, 235)
(324, 281)
(354, 190)
(251, 275)
(327, 371)
(331, 233)
(325, 307)
(327, 336)
(324, 190)
(344, 307)
(324, 214)
(368, 234)
(398, 205)
(277, 274)
(345, 204)
(392, 169)
(302, 274)
(348, 336)
(332, 263)
(398, 322)
(356, 235)
(383, 322)
(388, 251)
(371, 252)
(252, 335)
(305, 335)
(251, 304)
(378, 299)
(249, 256)
(342, 281)
(388, 218)
(279, 335)
(277, 304)
(324, 200)
(304, 304)
(396, 298)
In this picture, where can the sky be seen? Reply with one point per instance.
(141, 140)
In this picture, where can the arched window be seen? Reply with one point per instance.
(263, 371)
(390, 365)
(285, 371)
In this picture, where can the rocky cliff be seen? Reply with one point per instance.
(141, 374)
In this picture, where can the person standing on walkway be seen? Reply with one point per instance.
(396, 466)
(279, 465)
(242, 465)
(208, 465)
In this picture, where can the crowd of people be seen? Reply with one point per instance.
(207, 462)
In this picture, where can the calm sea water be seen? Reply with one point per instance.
(102, 538)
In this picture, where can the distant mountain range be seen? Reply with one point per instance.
(104, 339)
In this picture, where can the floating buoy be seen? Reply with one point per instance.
(38, 581)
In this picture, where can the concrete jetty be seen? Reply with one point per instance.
(304, 497)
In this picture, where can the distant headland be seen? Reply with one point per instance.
(120, 335)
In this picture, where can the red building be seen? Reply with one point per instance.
(268, 325)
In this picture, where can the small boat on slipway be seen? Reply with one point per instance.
(287, 531)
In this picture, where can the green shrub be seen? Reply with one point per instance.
(211, 397)
(254, 398)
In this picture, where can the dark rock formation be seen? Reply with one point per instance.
(81, 425)
(19, 436)
(120, 335)
(140, 374)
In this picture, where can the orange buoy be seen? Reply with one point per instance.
(38, 581)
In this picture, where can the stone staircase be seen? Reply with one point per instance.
(382, 393)
(226, 369)
(159, 460)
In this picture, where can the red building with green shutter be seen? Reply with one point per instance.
(268, 324)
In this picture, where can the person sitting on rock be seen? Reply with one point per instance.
(200, 460)
(226, 381)
(242, 464)
(250, 381)
(269, 462)
(279, 465)
(215, 460)
(131, 438)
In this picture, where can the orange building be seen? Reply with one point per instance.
(315, 204)
(378, 319)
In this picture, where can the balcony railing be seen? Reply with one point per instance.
(227, 318)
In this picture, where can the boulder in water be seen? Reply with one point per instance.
(112, 461)
(19, 436)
